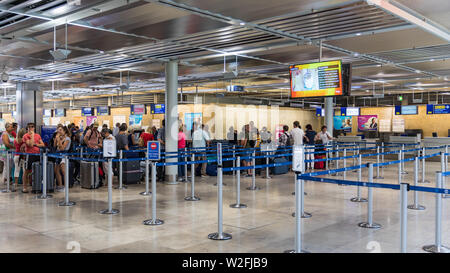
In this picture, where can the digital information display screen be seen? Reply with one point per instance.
(47, 112)
(406, 110)
(438, 109)
(158, 108)
(102, 110)
(60, 112)
(138, 109)
(87, 111)
(316, 79)
(350, 111)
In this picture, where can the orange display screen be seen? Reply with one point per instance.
(316, 79)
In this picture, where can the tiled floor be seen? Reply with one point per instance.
(31, 225)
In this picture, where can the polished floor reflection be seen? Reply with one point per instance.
(31, 225)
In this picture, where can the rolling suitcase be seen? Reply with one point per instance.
(37, 177)
(318, 165)
(279, 169)
(131, 172)
(89, 175)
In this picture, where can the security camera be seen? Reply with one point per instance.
(5, 77)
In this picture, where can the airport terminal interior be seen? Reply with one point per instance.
(213, 126)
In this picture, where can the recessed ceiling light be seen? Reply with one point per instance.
(241, 23)
(358, 34)
(431, 60)
(356, 54)
(418, 71)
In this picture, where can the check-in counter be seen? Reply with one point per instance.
(405, 140)
(436, 141)
(363, 143)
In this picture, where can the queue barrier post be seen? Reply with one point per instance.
(7, 174)
(402, 164)
(153, 221)
(219, 235)
(110, 210)
(253, 187)
(192, 197)
(121, 186)
(438, 247)
(378, 166)
(416, 205)
(399, 169)
(423, 166)
(234, 162)
(345, 164)
(354, 156)
(403, 216)
(370, 223)
(44, 179)
(358, 197)
(186, 178)
(267, 168)
(298, 219)
(238, 204)
(147, 191)
(66, 202)
(382, 154)
(444, 169)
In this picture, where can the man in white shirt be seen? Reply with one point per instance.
(297, 134)
(324, 136)
(199, 140)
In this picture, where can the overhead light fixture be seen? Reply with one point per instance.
(60, 54)
(242, 23)
(5, 77)
(418, 71)
(358, 34)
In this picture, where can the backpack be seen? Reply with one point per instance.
(84, 134)
(289, 140)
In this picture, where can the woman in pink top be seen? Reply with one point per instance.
(181, 146)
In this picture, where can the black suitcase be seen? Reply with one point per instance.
(131, 172)
(37, 177)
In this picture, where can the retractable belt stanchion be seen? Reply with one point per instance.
(298, 220)
(399, 170)
(154, 221)
(238, 204)
(44, 179)
(358, 188)
(416, 205)
(354, 156)
(219, 235)
(121, 186)
(267, 162)
(382, 154)
(186, 179)
(378, 162)
(192, 197)
(234, 162)
(423, 166)
(147, 191)
(403, 162)
(253, 187)
(66, 202)
(345, 164)
(6, 174)
(444, 169)
(370, 223)
(326, 157)
(403, 216)
(438, 247)
(110, 210)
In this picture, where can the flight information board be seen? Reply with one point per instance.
(438, 109)
(316, 79)
(406, 110)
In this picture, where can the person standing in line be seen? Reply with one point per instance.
(62, 143)
(324, 136)
(19, 160)
(122, 138)
(181, 155)
(245, 143)
(107, 135)
(298, 134)
(7, 145)
(92, 137)
(14, 131)
(161, 133)
(285, 137)
(146, 137)
(116, 129)
(200, 140)
(310, 135)
(33, 143)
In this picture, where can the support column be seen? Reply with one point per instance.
(329, 113)
(29, 105)
(171, 118)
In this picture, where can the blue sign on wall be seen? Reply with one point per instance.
(320, 112)
(153, 151)
(87, 111)
(158, 108)
(102, 110)
(438, 109)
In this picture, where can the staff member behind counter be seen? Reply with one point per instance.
(33, 143)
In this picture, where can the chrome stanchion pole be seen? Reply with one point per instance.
(267, 168)
(370, 223)
(378, 162)
(438, 247)
(147, 192)
(399, 171)
(44, 179)
(66, 202)
(298, 220)
(238, 204)
(403, 158)
(358, 188)
(403, 216)
(234, 162)
(444, 169)
(154, 221)
(6, 174)
(253, 187)
(185, 158)
(354, 156)
(121, 186)
(382, 154)
(423, 166)
(192, 197)
(219, 235)
(416, 205)
(110, 210)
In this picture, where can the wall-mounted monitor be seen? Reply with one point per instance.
(138, 109)
(158, 108)
(47, 113)
(406, 110)
(322, 79)
(103, 111)
(350, 111)
(61, 112)
(87, 111)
